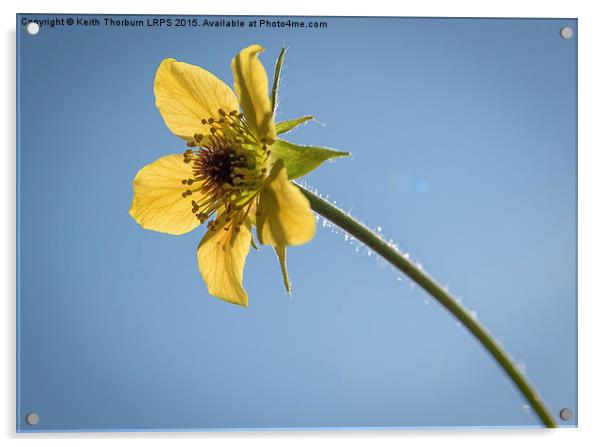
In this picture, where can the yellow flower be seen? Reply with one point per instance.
(234, 171)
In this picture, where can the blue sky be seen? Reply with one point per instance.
(463, 134)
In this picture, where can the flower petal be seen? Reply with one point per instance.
(221, 257)
(158, 203)
(185, 94)
(283, 214)
(251, 85)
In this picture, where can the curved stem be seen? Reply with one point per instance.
(365, 235)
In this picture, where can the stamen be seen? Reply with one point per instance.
(228, 166)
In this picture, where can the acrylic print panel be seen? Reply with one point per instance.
(463, 142)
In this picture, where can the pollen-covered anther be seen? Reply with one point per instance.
(228, 167)
(202, 217)
(188, 156)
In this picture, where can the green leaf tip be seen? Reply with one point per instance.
(275, 85)
(281, 253)
(300, 160)
(286, 126)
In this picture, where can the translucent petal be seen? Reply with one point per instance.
(251, 85)
(283, 214)
(185, 94)
(158, 203)
(221, 258)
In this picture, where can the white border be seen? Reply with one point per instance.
(590, 221)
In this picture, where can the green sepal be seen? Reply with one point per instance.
(281, 253)
(275, 85)
(300, 160)
(285, 126)
(253, 243)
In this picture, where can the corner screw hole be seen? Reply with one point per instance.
(32, 28)
(566, 414)
(566, 32)
(32, 418)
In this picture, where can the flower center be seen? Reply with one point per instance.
(219, 165)
(228, 167)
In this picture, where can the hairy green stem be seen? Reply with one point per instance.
(365, 235)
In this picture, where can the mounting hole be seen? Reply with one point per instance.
(566, 32)
(32, 28)
(32, 418)
(566, 414)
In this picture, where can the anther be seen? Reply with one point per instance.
(203, 121)
(221, 112)
(213, 130)
(211, 120)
